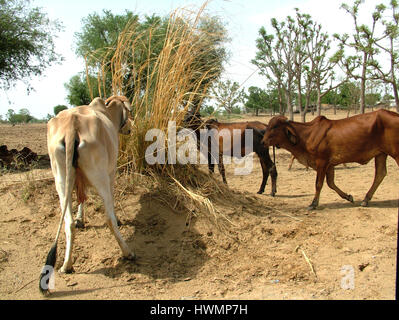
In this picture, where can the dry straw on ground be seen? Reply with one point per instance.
(163, 84)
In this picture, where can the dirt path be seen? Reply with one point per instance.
(277, 250)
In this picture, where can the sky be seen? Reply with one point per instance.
(243, 20)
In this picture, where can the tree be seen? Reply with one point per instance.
(207, 110)
(301, 28)
(23, 116)
(392, 35)
(256, 99)
(59, 108)
(228, 95)
(79, 92)
(349, 95)
(10, 114)
(332, 98)
(274, 59)
(98, 40)
(372, 98)
(99, 32)
(363, 42)
(26, 42)
(284, 59)
(321, 73)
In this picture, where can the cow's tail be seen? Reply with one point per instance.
(71, 143)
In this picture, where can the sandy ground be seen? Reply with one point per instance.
(277, 249)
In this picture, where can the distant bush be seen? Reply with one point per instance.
(59, 108)
(23, 116)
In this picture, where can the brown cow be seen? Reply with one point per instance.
(195, 122)
(322, 144)
(307, 168)
(268, 166)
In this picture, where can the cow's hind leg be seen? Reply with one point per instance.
(331, 184)
(102, 184)
(380, 173)
(79, 222)
(69, 227)
(221, 168)
(59, 172)
(268, 167)
(265, 175)
(211, 165)
(273, 174)
(70, 236)
(211, 168)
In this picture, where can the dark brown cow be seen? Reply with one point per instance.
(322, 144)
(195, 122)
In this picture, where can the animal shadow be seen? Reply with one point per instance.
(165, 247)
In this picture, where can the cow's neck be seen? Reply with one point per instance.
(303, 131)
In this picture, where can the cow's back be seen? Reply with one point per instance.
(389, 121)
(96, 134)
(362, 137)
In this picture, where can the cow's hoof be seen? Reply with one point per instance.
(66, 270)
(45, 292)
(130, 257)
(350, 198)
(260, 192)
(312, 207)
(364, 203)
(79, 224)
(273, 194)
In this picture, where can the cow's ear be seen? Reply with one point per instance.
(291, 135)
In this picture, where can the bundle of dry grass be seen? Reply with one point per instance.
(164, 83)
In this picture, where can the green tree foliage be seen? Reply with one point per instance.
(372, 98)
(59, 108)
(257, 99)
(26, 42)
(274, 60)
(79, 92)
(294, 56)
(389, 49)
(10, 113)
(207, 110)
(228, 95)
(349, 95)
(99, 33)
(363, 41)
(98, 40)
(23, 116)
(331, 97)
(282, 57)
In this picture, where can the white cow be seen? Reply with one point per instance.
(83, 148)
